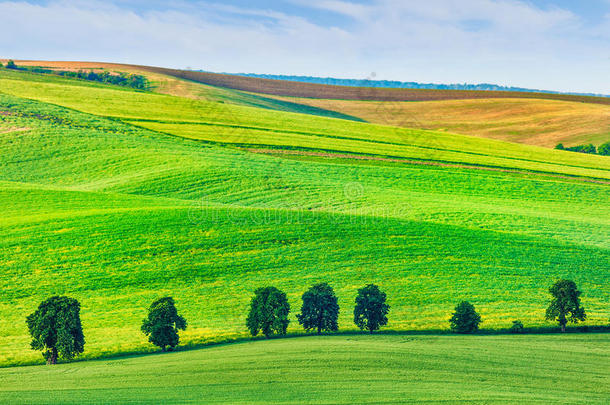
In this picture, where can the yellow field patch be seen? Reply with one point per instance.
(529, 121)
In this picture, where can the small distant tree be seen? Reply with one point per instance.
(604, 149)
(269, 311)
(320, 309)
(371, 310)
(517, 327)
(565, 305)
(55, 327)
(465, 319)
(559, 146)
(11, 65)
(163, 323)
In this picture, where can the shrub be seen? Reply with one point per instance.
(604, 149)
(320, 309)
(56, 328)
(269, 311)
(565, 305)
(11, 65)
(465, 319)
(517, 327)
(371, 310)
(162, 324)
(589, 148)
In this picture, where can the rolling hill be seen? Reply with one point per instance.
(531, 118)
(364, 369)
(116, 196)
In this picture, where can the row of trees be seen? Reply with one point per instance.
(56, 327)
(269, 310)
(121, 79)
(604, 149)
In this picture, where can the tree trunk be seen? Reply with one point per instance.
(563, 327)
(53, 357)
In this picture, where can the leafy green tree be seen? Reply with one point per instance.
(320, 309)
(55, 327)
(11, 65)
(371, 310)
(465, 319)
(162, 324)
(559, 146)
(269, 311)
(517, 327)
(604, 149)
(565, 305)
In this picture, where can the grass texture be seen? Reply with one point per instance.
(115, 215)
(338, 370)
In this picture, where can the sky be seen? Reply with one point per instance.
(559, 45)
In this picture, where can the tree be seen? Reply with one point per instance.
(604, 149)
(162, 324)
(517, 327)
(465, 319)
(320, 309)
(371, 310)
(11, 65)
(559, 146)
(565, 305)
(269, 311)
(55, 327)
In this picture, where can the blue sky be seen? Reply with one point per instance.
(550, 44)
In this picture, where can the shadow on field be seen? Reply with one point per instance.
(429, 332)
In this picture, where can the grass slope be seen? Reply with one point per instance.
(528, 121)
(340, 370)
(170, 85)
(230, 124)
(116, 215)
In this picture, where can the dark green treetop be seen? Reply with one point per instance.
(163, 323)
(269, 311)
(56, 328)
(465, 319)
(371, 310)
(320, 310)
(565, 305)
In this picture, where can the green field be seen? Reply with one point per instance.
(116, 197)
(365, 369)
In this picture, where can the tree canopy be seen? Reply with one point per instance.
(371, 310)
(465, 319)
(320, 310)
(56, 328)
(269, 310)
(565, 305)
(163, 323)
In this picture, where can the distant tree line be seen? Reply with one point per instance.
(372, 82)
(120, 79)
(604, 149)
(55, 327)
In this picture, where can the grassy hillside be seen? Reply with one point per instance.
(339, 369)
(528, 118)
(311, 90)
(529, 121)
(116, 215)
(230, 124)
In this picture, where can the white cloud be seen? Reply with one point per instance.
(507, 42)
